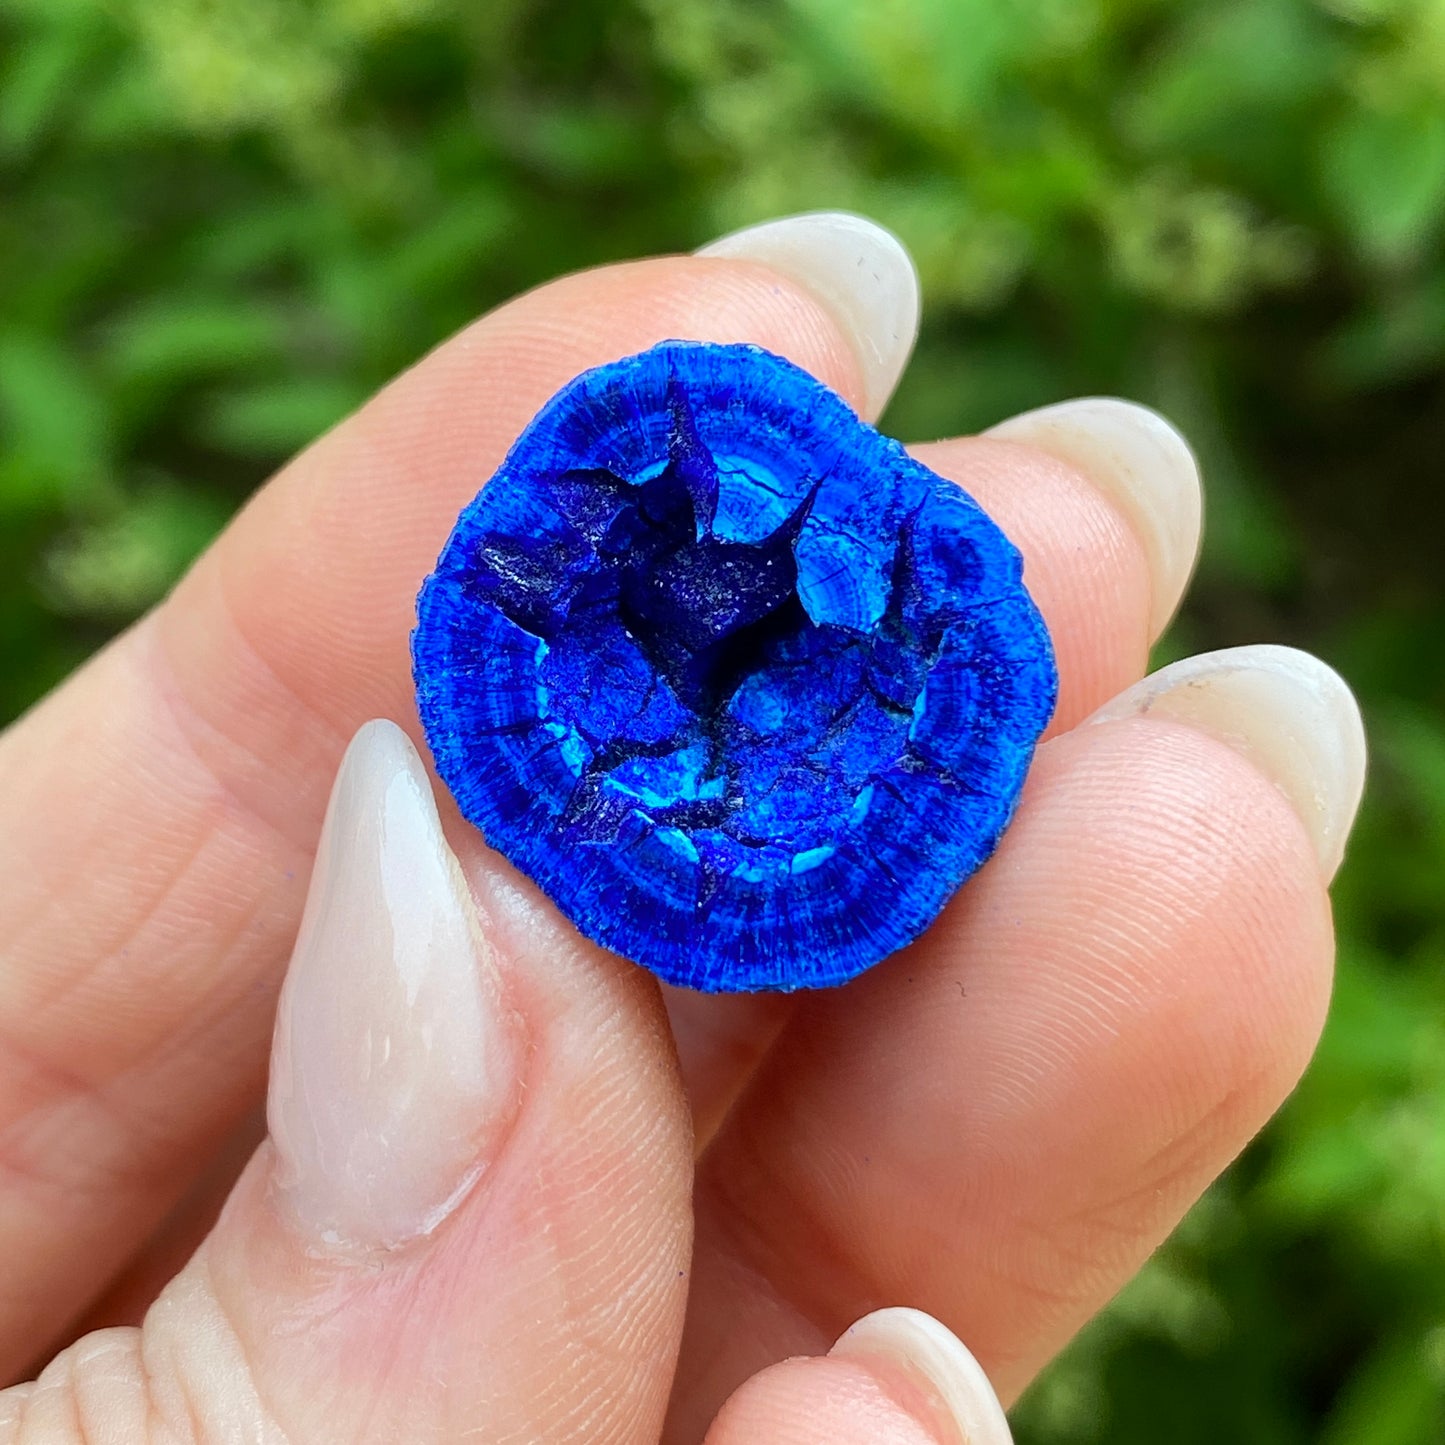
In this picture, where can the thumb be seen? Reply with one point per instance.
(471, 1217)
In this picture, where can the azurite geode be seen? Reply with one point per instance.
(747, 690)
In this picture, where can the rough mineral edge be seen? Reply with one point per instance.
(746, 689)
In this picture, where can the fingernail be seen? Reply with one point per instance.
(1143, 465)
(1287, 712)
(394, 1067)
(939, 1363)
(858, 270)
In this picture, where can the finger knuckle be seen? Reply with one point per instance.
(181, 1379)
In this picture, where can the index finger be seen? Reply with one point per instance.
(158, 813)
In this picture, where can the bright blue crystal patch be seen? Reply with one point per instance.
(747, 690)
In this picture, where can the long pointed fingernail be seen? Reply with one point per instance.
(1294, 717)
(1143, 465)
(394, 1068)
(858, 270)
(937, 1361)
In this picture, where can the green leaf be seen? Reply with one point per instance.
(41, 80)
(170, 338)
(274, 420)
(54, 422)
(1392, 338)
(1396, 1398)
(1227, 74)
(1384, 172)
(121, 565)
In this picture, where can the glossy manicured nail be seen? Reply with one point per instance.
(394, 1069)
(1291, 715)
(938, 1363)
(1143, 465)
(860, 271)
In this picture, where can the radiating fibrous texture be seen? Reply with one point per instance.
(745, 689)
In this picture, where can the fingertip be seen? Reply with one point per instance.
(896, 1377)
(939, 1362)
(1291, 715)
(859, 270)
(1143, 464)
(820, 1400)
(1193, 933)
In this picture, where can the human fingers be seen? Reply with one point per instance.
(127, 1297)
(470, 1220)
(157, 814)
(999, 1124)
(1092, 576)
(896, 1377)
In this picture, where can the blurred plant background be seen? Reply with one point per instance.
(224, 222)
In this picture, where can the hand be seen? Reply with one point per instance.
(474, 1215)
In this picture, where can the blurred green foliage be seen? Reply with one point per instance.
(224, 222)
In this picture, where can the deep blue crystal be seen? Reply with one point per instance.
(747, 690)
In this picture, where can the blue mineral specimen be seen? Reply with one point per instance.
(747, 690)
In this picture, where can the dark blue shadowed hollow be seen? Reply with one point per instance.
(747, 690)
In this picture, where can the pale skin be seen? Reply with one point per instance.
(996, 1127)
